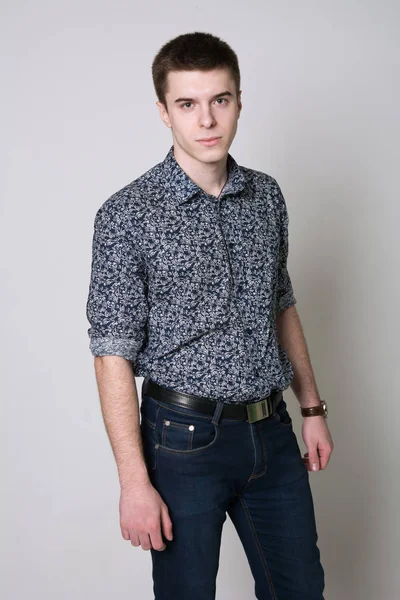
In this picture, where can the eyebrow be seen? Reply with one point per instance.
(227, 93)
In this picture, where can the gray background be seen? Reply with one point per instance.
(78, 121)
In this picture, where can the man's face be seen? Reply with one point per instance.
(202, 104)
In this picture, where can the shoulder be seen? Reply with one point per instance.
(131, 203)
(263, 184)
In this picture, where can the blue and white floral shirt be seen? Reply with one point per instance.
(187, 286)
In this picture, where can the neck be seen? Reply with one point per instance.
(210, 177)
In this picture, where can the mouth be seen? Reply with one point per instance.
(209, 141)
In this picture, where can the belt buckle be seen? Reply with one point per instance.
(258, 410)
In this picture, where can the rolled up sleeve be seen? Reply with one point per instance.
(117, 308)
(285, 294)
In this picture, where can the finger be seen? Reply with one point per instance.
(125, 533)
(307, 464)
(318, 452)
(145, 541)
(166, 523)
(156, 540)
(135, 540)
(314, 459)
(324, 460)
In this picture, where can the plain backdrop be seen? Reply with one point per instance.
(321, 99)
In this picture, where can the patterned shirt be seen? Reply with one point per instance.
(187, 286)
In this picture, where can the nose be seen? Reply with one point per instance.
(207, 118)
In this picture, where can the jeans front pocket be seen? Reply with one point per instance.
(283, 417)
(176, 435)
(183, 431)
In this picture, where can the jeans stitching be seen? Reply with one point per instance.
(255, 454)
(179, 426)
(194, 450)
(254, 464)
(265, 459)
(150, 423)
(182, 452)
(260, 551)
(176, 424)
(266, 463)
(153, 426)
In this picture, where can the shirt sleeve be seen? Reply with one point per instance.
(285, 294)
(117, 308)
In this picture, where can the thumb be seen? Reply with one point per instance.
(313, 459)
(166, 523)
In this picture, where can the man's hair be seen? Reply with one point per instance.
(195, 51)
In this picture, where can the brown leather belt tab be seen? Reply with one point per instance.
(252, 412)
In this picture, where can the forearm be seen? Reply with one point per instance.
(120, 409)
(292, 340)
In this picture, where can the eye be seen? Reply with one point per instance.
(223, 99)
(185, 104)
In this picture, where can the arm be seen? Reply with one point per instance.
(315, 431)
(143, 513)
(292, 340)
(117, 311)
(120, 410)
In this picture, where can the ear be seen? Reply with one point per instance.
(163, 114)
(239, 101)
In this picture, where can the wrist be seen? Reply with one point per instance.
(319, 409)
(140, 479)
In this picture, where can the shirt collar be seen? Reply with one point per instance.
(182, 187)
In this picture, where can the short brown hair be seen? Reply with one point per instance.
(195, 51)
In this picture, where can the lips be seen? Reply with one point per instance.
(210, 141)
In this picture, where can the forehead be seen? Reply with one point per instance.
(199, 84)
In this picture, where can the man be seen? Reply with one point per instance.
(190, 289)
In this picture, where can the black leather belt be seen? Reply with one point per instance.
(247, 412)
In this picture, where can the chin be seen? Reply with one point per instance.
(214, 153)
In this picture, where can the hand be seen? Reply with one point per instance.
(144, 517)
(319, 443)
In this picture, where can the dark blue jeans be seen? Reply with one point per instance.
(205, 466)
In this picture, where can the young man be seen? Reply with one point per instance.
(190, 289)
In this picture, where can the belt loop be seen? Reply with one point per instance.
(276, 397)
(217, 412)
(144, 385)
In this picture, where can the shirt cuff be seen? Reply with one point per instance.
(111, 346)
(286, 301)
